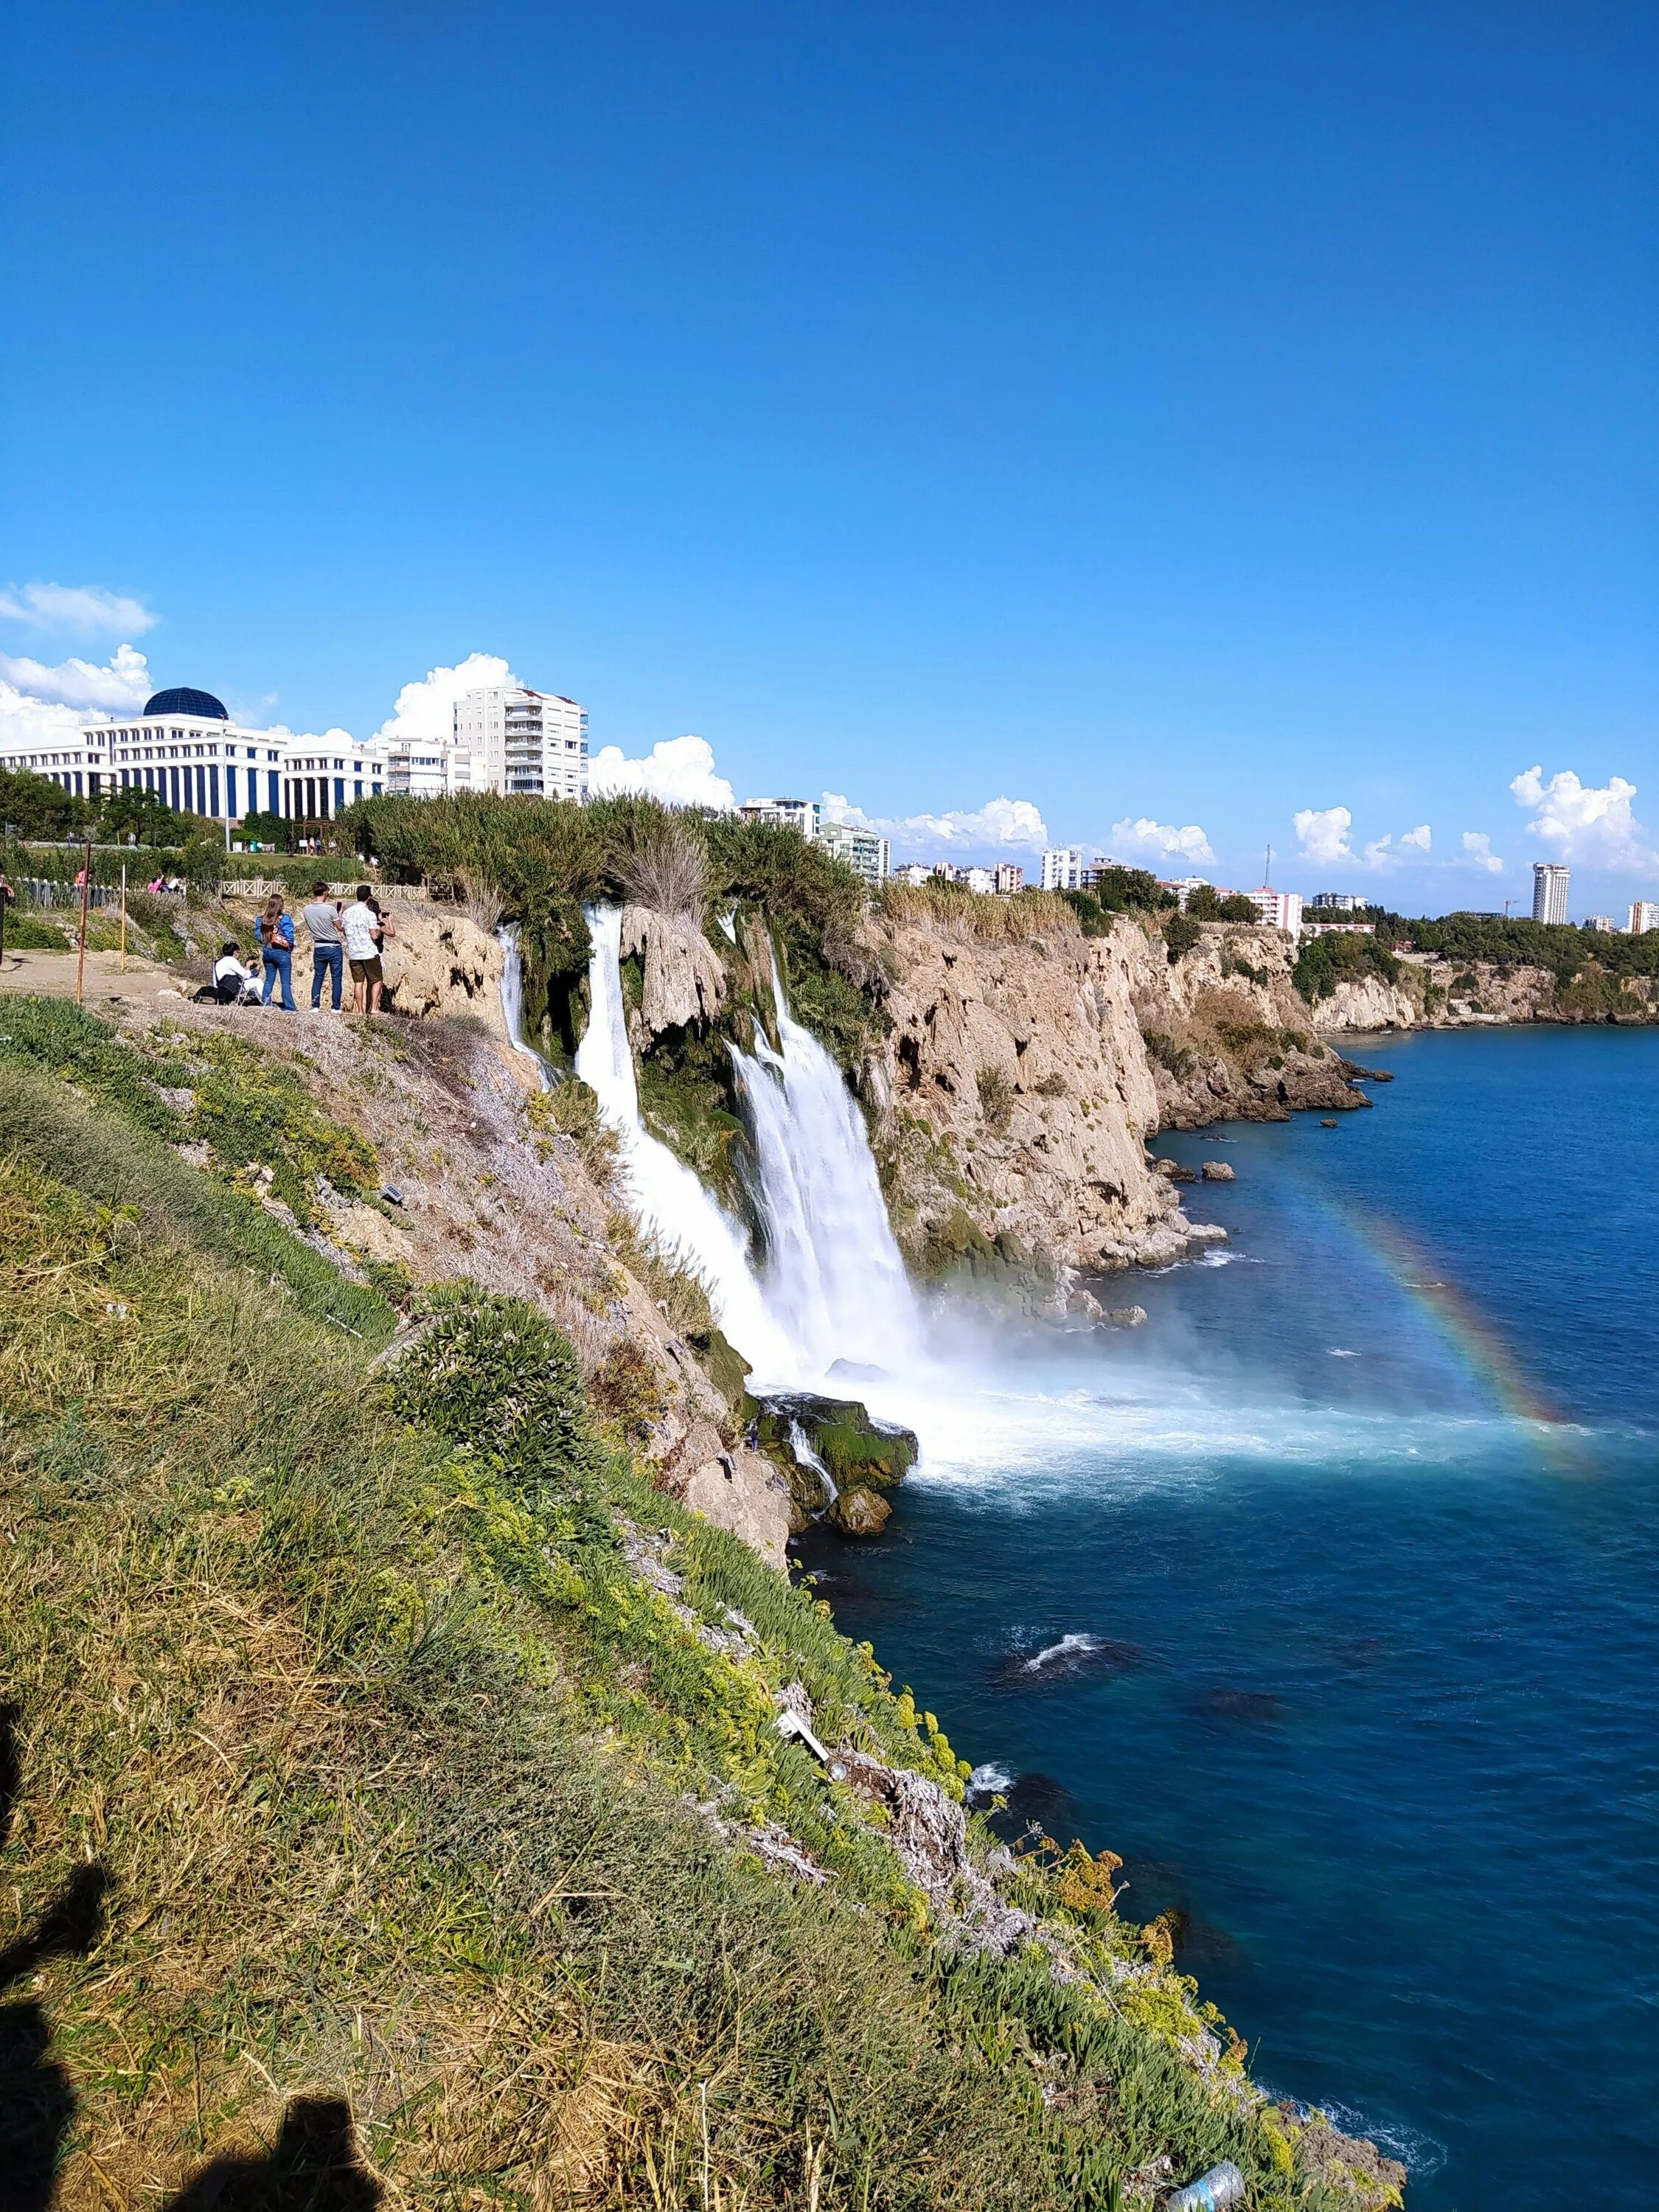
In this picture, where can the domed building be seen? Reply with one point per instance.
(187, 750)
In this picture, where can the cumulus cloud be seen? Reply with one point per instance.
(1161, 840)
(1000, 825)
(1478, 852)
(37, 724)
(679, 771)
(1586, 822)
(75, 606)
(119, 686)
(425, 710)
(1322, 834)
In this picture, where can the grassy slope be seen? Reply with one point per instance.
(391, 1764)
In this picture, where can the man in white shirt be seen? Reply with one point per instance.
(362, 927)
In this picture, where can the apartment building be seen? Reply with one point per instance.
(1339, 903)
(863, 850)
(1062, 868)
(1550, 882)
(1278, 909)
(1643, 916)
(523, 743)
(1009, 876)
(1181, 888)
(800, 814)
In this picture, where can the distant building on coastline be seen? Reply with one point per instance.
(524, 743)
(1181, 888)
(186, 750)
(1062, 868)
(1339, 903)
(913, 872)
(800, 814)
(1550, 882)
(863, 850)
(1278, 909)
(1009, 876)
(1604, 922)
(1643, 916)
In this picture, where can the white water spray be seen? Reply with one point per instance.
(666, 1198)
(513, 998)
(801, 1444)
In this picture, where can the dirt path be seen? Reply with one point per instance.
(52, 974)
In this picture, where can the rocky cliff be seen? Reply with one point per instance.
(1012, 1099)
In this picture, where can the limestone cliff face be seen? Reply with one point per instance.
(1012, 1098)
(684, 980)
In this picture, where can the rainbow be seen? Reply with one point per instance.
(1469, 1331)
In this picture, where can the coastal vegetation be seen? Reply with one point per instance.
(390, 1757)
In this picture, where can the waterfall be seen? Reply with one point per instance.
(670, 1206)
(834, 1280)
(832, 1286)
(513, 998)
(801, 1444)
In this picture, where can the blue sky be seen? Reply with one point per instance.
(1182, 415)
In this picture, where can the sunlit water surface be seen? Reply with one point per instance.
(1330, 1599)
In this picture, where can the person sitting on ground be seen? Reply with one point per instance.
(234, 985)
(322, 918)
(362, 926)
(275, 933)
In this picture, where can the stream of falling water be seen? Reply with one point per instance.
(832, 1286)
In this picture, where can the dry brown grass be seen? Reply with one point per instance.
(979, 919)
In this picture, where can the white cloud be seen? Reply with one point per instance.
(1162, 840)
(1478, 852)
(75, 606)
(37, 724)
(1001, 824)
(679, 771)
(1590, 823)
(1322, 833)
(425, 710)
(121, 685)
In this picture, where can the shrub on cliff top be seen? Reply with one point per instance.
(1325, 962)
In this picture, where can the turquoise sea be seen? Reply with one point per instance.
(1330, 1600)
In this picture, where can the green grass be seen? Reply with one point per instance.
(344, 1683)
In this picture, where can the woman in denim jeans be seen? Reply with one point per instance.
(276, 930)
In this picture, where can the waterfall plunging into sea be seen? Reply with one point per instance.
(670, 1206)
(832, 1286)
(834, 1279)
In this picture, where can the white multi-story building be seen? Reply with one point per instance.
(1550, 882)
(800, 814)
(1643, 916)
(1062, 868)
(525, 743)
(1182, 887)
(425, 768)
(864, 850)
(185, 749)
(1009, 876)
(913, 872)
(1278, 909)
(1339, 903)
(1602, 923)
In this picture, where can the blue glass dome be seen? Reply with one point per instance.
(186, 702)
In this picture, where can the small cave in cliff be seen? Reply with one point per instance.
(909, 1060)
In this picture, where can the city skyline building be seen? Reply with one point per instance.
(1278, 909)
(1643, 916)
(522, 743)
(1551, 881)
(866, 851)
(802, 814)
(1062, 868)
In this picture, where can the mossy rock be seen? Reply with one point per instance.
(724, 1364)
(860, 1451)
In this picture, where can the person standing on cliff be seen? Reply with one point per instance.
(360, 927)
(322, 918)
